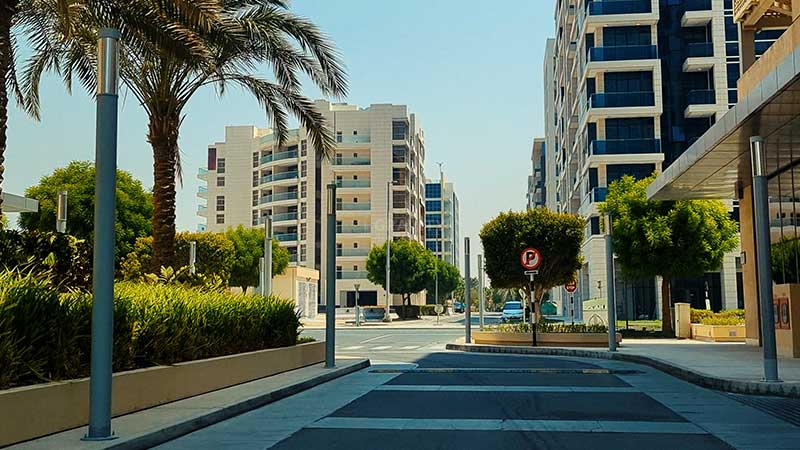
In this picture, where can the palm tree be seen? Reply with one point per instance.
(252, 33)
(169, 24)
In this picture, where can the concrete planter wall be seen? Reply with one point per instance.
(718, 333)
(32, 411)
(543, 339)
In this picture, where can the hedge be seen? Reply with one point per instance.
(725, 317)
(45, 335)
(549, 327)
(65, 257)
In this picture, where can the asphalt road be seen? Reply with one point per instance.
(419, 396)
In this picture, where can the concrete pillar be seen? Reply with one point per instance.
(728, 278)
(747, 47)
(749, 281)
(658, 298)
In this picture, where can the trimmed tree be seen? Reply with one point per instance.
(248, 248)
(412, 266)
(134, 205)
(449, 278)
(666, 238)
(557, 236)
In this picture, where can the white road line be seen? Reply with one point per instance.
(382, 347)
(375, 338)
(409, 347)
(353, 347)
(597, 426)
(470, 388)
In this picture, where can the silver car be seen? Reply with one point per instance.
(512, 312)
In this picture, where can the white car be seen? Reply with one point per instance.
(512, 312)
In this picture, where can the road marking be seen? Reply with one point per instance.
(409, 347)
(353, 347)
(596, 426)
(464, 388)
(382, 347)
(375, 338)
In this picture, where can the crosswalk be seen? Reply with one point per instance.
(391, 348)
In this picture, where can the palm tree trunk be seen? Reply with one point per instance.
(163, 137)
(666, 302)
(7, 10)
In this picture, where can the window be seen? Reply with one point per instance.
(303, 210)
(303, 147)
(631, 128)
(221, 181)
(220, 218)
(639, 171)
(220, 203)
(355, 244)
(220, 165)
(433, 233)
(338, 136)
(255, 198)
(399, 153)
(255, 179)
(303, 168)
(255, 218)
(433, 219)
(303, 229)
(626, 36)
(355, 268)
(399, 130)
(629, 82)
(399, 200)
(433, 190)
(302, 252)
(303, 189)
(433, 205)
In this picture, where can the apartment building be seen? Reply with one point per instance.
(629, 85)
(536, 195)
(377, 166)
(442, 235)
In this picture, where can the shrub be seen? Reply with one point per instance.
(427, 310)
(215, 255)
(699, 314)
(726, 317)
(66, 258)
(45, 335)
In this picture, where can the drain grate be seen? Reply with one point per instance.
(786, 409)
(517, 370)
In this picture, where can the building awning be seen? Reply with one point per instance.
(16, 203)
(720, 159)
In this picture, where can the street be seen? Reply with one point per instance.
(417, 395)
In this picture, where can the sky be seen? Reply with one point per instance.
(472, 72)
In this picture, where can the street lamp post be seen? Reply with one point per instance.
(330, 282)
(266, 272)
(610, 287)
(387, 317)
(467, 294)
(357, 286)
(61, 212)
(192, 257)
(481, 299)
(104, 212)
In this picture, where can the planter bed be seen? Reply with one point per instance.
(32, 411)
(718, 333)
(543, 339)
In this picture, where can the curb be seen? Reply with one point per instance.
(154, 438)
(791, 389)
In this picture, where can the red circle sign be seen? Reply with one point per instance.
(571, 287)
(530, 258)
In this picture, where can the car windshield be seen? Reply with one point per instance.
(512, 305)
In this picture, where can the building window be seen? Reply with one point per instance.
(255, 159)
(220, 181)
(303, 188)
(302, 252)
(303, 210)
(220, 203)
(303, 147)
(255, 198)
(433, 190)
(433, 219)
(303, 229)
(399, 153)
(303, 168)
(338, 136)
(399, 130)
(220, 165)
(433, 205)
(255, 218)
(220, 218)
(255, 179)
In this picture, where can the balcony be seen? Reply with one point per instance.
(602, 8)
(352, 229)
(697, 13)
(352, 183)
(202, 173)
(278, 156)
(352, 252)
(278, 197)
(201, 209)
(597, 195)
(202, 191)
(354, 139)
(283, 217)
(285, 237)
(621, 99)
(351, 161)
(290, 175)
(291, 134)
(699, 49)
(622, 53)
(351, 275)
(624, 146)
(352, 206)
(701, 103)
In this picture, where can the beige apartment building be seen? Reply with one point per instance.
(250, 177)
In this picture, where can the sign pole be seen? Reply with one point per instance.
(532, 274)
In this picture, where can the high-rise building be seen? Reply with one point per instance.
(633, 83)
(441, 221)
(537, 195)
(249, 176)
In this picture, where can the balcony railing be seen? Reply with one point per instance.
(271, 137)
(601, 8)
(597, 194)
(350, 229)
(622, 53)
(284, 216)
(202, 208)
(353, 183)
(624, 146)
(283, 237)
(278, 156)
(785, 222)
(355, 139)
(701, 97)
(699, 49)
(279, 197)
(697, 5)
(292, 174)
(351, 206)
(201, 172)
(351, 161)
(621, 99)
(351, 274)
(352, 251)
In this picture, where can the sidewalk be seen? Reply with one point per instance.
(733, 367)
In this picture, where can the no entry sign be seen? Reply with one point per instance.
(530, 258)
(571, 287)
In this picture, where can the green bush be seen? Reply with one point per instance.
(717, 320)
(729, 316)
(428, 310)
(699, 314)
(45, 335)
(68, 259)
(549, 327)
(215, 255)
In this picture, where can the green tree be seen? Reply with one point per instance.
(215, 254)
(666, 238)
(412, 265)
(253, 34)
(248, 248)
(449, 279)
(134, 205)
(558, 237)
(459, 291)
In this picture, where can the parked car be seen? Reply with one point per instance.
(458, 307)
(512, 312)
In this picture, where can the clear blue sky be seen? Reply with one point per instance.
(471, 71)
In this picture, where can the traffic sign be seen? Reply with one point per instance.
(530, 258)
(571, 287)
